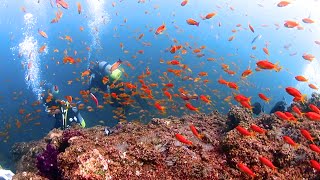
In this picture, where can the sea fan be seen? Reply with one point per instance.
(47, 162)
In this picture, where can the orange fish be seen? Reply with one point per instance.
(267, 162)
(283, 3)
(167, 93)
(265, 64)
(315, 164)
(205, 99)
(195, 132)
(159, 107)
(306, 134)
(291, 24)
(192, 22)
(301, 78)
(313, 116)
(314, 148)
(160, 29)
(240, 97)
(79, 7)
(184, 2)
(312, 86)
(266, 51)
(68, 38)
(314, 108)
(290, 141)
(42, 33)
(191, 107)
(183, 139)
(264, 97)
(85, 73)
(222, 81)
(246, 73)
(282, 115)
(62, 3)
(243, 131)
(203, 74)
(233, 85)
(210, 15)
(294, 92)
(297, 110)
(42, 48)
(307, 20)
(251, 28)
(246, 170)
(257, 129)
(69, 98)
(246, 104)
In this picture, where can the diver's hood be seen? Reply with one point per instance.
(104, 68)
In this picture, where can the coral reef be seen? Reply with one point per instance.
(152, 151)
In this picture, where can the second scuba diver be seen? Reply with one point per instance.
(108, 78)
(65, 113)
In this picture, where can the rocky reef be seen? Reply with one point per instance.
(153, 151)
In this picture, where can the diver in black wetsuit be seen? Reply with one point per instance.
(104, 75)
(64, 113)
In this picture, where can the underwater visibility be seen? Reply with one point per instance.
(151, 89)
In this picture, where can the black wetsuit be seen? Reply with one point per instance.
(73, 115)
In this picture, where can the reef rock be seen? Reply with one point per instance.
(151, 151)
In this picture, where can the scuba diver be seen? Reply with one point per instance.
(107, 78)
(279, 106)
(64, 112)
(102, 76)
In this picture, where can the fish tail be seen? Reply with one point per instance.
(119, 61)
(197, 24)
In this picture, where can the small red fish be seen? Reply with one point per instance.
(257, 129)
(251, 28)
(312, 116)
(290, 141)
(291, 24)
(314, 148)
(191, 107)
(265, 64)
(243, 131)
(264, 97)
(195, 132)
(315, 164)
(267, 162)
(297, 110)
(192, 22)
(183, 3)
(246, 170)
(160, 29)
(314, 108)
(306, 134)
(183, 139)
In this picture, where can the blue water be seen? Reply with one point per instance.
(18, 93)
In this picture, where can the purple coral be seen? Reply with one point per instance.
(47, 162)
(66, 135)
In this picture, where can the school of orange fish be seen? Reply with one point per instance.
(161, 96)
